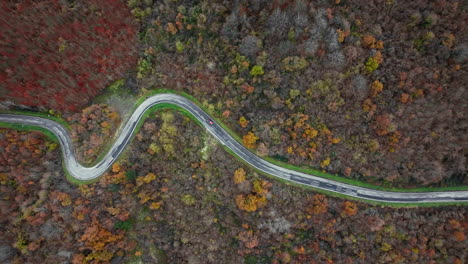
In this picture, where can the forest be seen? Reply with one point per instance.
(373, 91)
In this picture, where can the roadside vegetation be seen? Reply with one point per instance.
(328, 86)
(196, 207)
(372, 91)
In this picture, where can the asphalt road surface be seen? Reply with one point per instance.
(127, 129)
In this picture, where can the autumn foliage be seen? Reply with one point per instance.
(371, 43)
(249, 239)
(459, 230)
(384, 124)
(256, 199)
(91, 128)
(376, 88)
(243, 122)
(349, 209)
(239, 176)
(250, 140)
(59, 57)
(96, 236)
(250, 202)
(319, 204)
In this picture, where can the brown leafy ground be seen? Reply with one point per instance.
(372, 90)
(178, 197)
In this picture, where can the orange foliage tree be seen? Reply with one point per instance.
(249, 238)
(97, 239)
(243, 122)
(371, 43)
(239, 176)
(319, 204)
(349, 209)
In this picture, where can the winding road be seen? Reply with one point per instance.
(80, 172)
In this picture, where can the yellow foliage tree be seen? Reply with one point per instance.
(144, 196)
(260, 187)
(239, 176)
(145, 179)
(103, 256)
(249, 140)
(325, 163)
(115, 168)
(335, 140)
(310, 133)
(250, 202)
(155, 205)
(255, 200)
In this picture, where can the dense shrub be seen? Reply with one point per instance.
(58, 55)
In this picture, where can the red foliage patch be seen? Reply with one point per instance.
(57, 56)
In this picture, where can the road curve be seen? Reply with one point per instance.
(80, 172)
